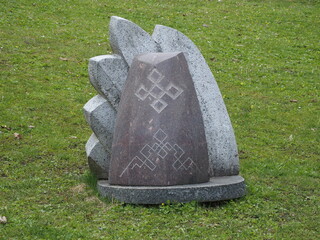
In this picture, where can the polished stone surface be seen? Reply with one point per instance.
(217, 189)
(222, 147)
(159, 135)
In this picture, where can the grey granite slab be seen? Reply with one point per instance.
(100, 115)
(222, 147)
(128, 39)
(217, 189)
(108, 74)
(98, 158)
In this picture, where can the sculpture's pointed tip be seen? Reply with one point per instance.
(161, 31)
(162, 26)
(116, 18)
(128, 39)
(159, 27)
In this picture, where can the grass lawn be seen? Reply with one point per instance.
(265, 56)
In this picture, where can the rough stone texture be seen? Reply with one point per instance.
(128, 39)
(159, 135)
(222, 147)
(101, 117)
(217, 189)
(98, 158)
(108, 74)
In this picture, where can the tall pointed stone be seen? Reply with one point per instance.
(159, 137)
(222, 147)
(128, 39)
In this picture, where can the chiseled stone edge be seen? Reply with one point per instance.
(222, 147)
(217, 189)
(101, 116)
(108, 74)
(98, 158)
(128, 39)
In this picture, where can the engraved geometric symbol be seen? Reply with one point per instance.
(142, 93)
(158, 105)
(156, 91)
(160, 149)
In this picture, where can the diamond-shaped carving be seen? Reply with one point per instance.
(159, 105)
(178, 151)
(173, 91)
(142, 93)
(157, 92)
(155, 147)
(145, 151)
(188, 163)
(162, 153)
(177, 165)
(160, 135)
(161, 148)
(168, 146)
(155, 76)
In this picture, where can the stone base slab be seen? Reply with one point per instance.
(217, 189)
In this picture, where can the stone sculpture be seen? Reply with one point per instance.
(159, 79)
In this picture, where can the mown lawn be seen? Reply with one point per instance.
(265, 56)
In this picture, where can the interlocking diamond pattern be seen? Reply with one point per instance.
(156, 91)
(160, 148)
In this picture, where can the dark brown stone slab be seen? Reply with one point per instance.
(159, 137)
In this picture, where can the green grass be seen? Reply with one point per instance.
(264, 55)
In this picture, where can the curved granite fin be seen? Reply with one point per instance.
(128, 39)
(222, 147)
(108, 74)
(101, 116)
(98, 158)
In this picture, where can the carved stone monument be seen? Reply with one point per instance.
(161, 129)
